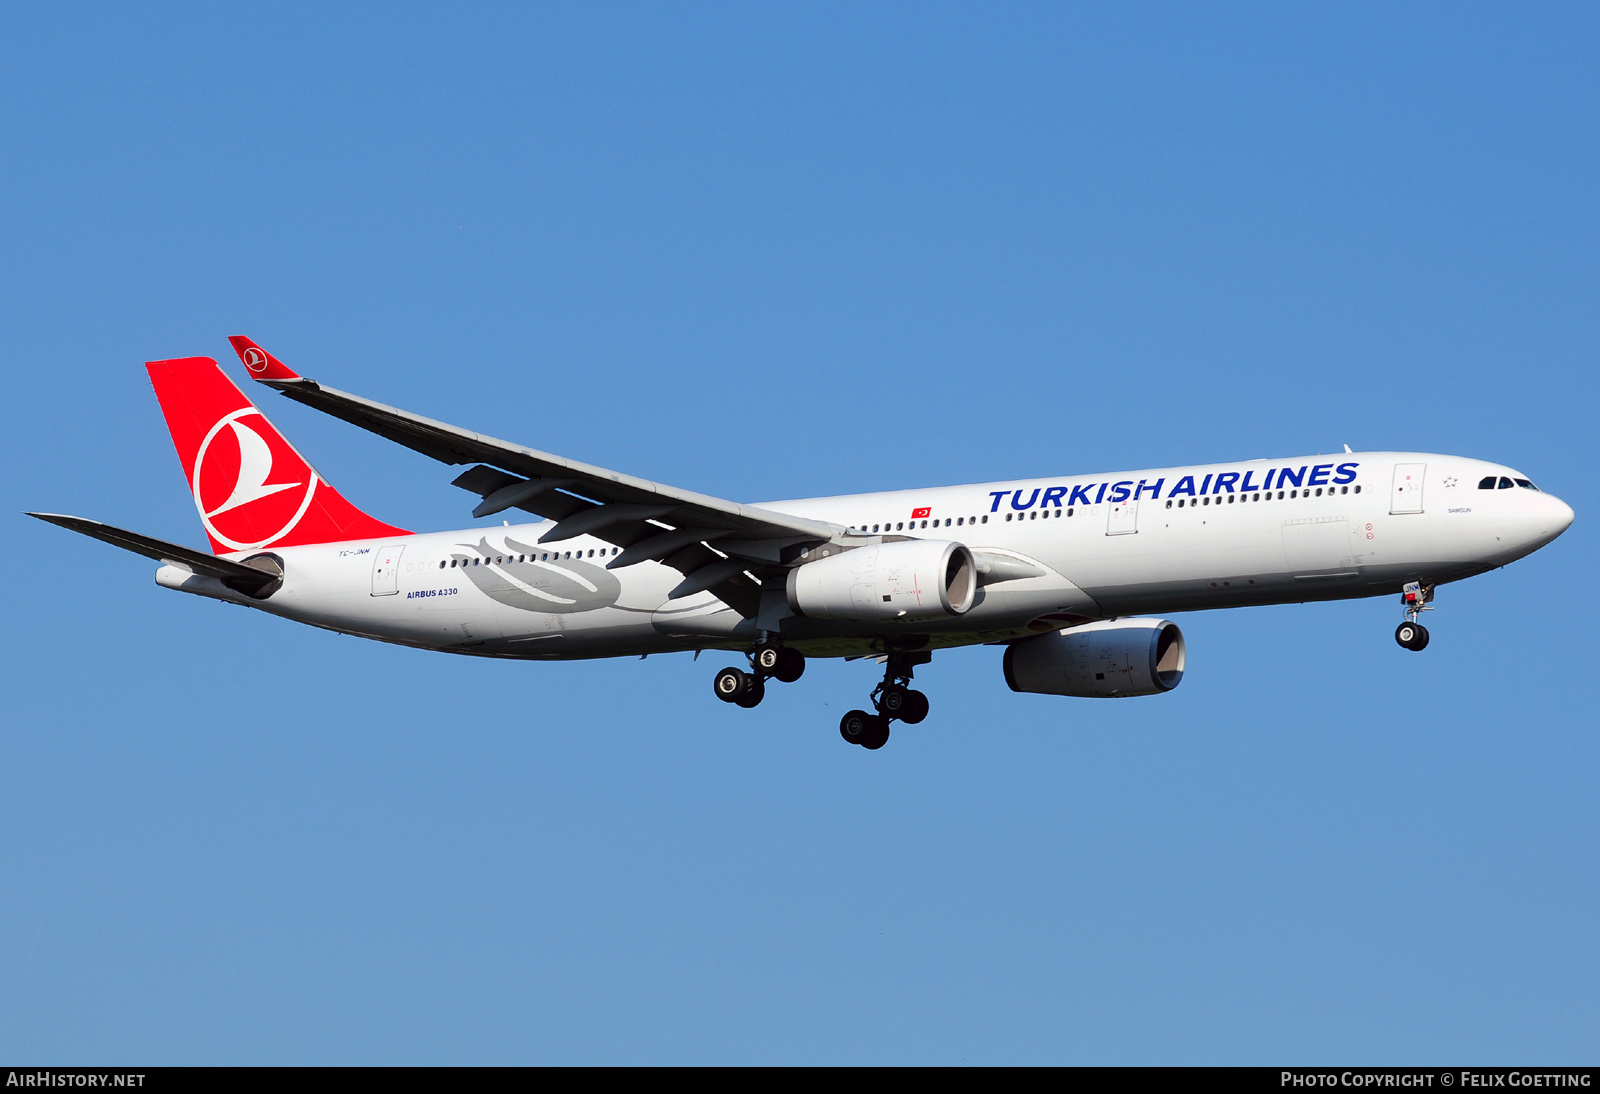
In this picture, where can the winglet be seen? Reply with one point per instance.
(262, 365)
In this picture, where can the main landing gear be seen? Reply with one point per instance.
(1411, 634)
(747, 689)
(892, 700)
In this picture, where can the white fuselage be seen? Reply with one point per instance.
(1217, 536)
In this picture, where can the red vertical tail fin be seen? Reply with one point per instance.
(252, 488)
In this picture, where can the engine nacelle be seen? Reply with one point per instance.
(1110, 659)
(907, 579)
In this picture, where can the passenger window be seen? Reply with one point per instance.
(1505, 483)
(1069, 510)
(1169, 503)
(1230, 499)
(1486, 483)
(441, 564)
(1358, 489)
(959, 520)
(986, 518)
(899, 526)
(1344, 489)
(1008, 516)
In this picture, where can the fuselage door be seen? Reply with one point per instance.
(1406, 496)
(386, 570)
(1123, 517)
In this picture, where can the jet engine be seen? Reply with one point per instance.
(907, 579)
(1109, 659)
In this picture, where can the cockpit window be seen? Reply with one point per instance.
(1505, 483)
(1526, 485)
(1486, 483)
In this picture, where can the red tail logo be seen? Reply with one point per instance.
(251, 487)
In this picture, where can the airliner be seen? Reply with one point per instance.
(1072, 575)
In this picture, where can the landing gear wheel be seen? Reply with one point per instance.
(1413, 636)
(729, 684)
(893, 701)
(789, 665)
(877, 734)
(754, 691)
(766, 659)
(855, 726)
(915, 708)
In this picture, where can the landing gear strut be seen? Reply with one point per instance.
(1411, 634)
(893, 700)
(748, 688)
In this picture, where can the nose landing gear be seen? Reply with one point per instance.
(1416, 597)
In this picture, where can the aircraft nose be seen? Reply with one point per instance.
(1561, 515)
(1548, 519)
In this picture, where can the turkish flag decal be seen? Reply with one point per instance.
(917, 514)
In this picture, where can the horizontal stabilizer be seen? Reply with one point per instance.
(238, 576)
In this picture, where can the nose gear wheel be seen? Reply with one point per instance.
(1413, 636)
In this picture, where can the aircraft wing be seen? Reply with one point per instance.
(648, 520)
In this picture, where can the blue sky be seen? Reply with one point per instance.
(767, 252)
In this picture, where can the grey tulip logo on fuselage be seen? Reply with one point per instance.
(559, 586)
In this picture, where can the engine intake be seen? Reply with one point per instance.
(1110, 659)
(908, 579)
